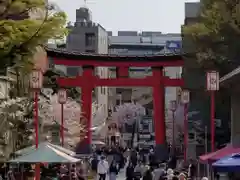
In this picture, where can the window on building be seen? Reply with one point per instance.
(90, 39)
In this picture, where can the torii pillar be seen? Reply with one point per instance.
(161, 151)
(84, 146)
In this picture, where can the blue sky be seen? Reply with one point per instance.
(166, 16)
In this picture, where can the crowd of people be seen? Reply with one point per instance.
(140, 164)
(108, 162)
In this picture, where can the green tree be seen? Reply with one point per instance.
(216, 36)
(24, 26)
(50, 81)
(15, 128)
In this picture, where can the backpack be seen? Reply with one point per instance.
(94, 164)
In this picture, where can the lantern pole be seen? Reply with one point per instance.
(62, 99)
(212, 86)
(212, 120)
(36, 80)
(173, 108)
(185, 99)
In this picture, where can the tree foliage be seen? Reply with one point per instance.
(128, 113)
(17, 121)
(217, 34)
(15, 129)
(26, 25)
(49, 114)
(50, 81)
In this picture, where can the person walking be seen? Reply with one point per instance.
(192, 169)
(138, 171)
(159, 171)
(130, 171)
(113, 171)
(102, 168)
(147, 175)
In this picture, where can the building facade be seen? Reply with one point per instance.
(133, 43)
(88, 37)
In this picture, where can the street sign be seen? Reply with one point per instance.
(212, 81)
(173, 45)
(185, 96)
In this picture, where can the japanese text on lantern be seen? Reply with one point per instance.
(62, 96)
(212, 81)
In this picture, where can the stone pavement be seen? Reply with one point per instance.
(121, 175)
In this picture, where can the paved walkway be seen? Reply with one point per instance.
(121, 175)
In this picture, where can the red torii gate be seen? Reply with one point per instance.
(88, 81)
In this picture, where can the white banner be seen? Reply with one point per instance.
(212, 81)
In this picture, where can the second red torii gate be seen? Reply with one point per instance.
(88, 81)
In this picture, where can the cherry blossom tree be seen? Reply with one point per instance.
(128, 114)
(17, 121)
(50, 114)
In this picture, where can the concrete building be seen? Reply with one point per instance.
(144, 43)
(88, 37)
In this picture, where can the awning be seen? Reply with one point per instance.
(228, 164)
(214, 156)
(46, 153)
